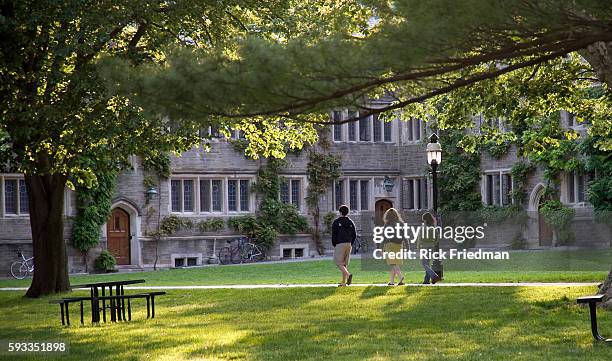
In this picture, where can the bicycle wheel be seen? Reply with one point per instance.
(236, 255)
(247, 252)
(257, 255)
(225, 255)
(19, 270)
(357, 246)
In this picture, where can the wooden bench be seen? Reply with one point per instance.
(593, 301)
(117, 306)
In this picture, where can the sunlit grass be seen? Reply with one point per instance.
(354, 323)
(536, 266)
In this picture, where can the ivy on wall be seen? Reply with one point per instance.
(520, 172)
(560, 218)
(557, 150)
(273, 216)
(171, 224)
(211, 225)
(94, 207)
(322, 170)
(600, 189)
(497, 150)
(459, 179)
(460, 184)
(158, 163)
(328, 219)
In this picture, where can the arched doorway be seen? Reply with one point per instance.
(381, 207)
(118, 236)
(545, 229)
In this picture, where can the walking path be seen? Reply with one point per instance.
(310, 285)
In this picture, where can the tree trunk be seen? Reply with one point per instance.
(157, 240)
(606, 288)
(46, 200)
(86, 260)
(316, 215)
(599, 55)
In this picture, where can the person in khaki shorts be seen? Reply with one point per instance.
(343, 236)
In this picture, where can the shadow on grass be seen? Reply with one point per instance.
(382, 323)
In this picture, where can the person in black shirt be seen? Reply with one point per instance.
(343, 236)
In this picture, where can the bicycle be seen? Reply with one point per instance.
(21, 269)
(359, 245)
(244, 251)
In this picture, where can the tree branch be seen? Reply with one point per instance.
(576, 44)
(142, 29)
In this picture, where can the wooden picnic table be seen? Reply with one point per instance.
(116, 305)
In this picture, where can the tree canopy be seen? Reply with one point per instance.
(411, 52)
(60, 125)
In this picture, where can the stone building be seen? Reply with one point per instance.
(383, 165)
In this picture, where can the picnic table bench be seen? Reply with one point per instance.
(116, 302)
(593, 301)
(98, 289)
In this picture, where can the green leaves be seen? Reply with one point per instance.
(94, 208)
(322, 170)
(459, 175)
(105, 262)
(560, 217)
(55, 102)
(273, 217)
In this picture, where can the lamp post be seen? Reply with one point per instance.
(434, 158)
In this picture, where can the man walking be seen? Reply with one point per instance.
(343, 236)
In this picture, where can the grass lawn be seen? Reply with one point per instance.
(534, 266)
(352, 323)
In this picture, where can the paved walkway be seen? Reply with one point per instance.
(310, 285)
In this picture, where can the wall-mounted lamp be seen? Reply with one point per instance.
(151, 193)
(388, 184)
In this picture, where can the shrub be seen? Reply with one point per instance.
(265, 236)
(171, 224)
(243, 224)
(290, 221)
(211, 225)
(105, 262)
(560, 217)
(328, 219)
(497, 214)
(519, 242)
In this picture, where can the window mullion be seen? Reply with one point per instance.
(238, 201)
(501, 186)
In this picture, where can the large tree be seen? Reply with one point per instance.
(416, 54)
(59, 126)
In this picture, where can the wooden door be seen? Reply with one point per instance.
(118, 235)
(546, 231)
(380, 208)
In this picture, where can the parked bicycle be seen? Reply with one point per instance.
(22, 268)
(359, 245)
(241, 250)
